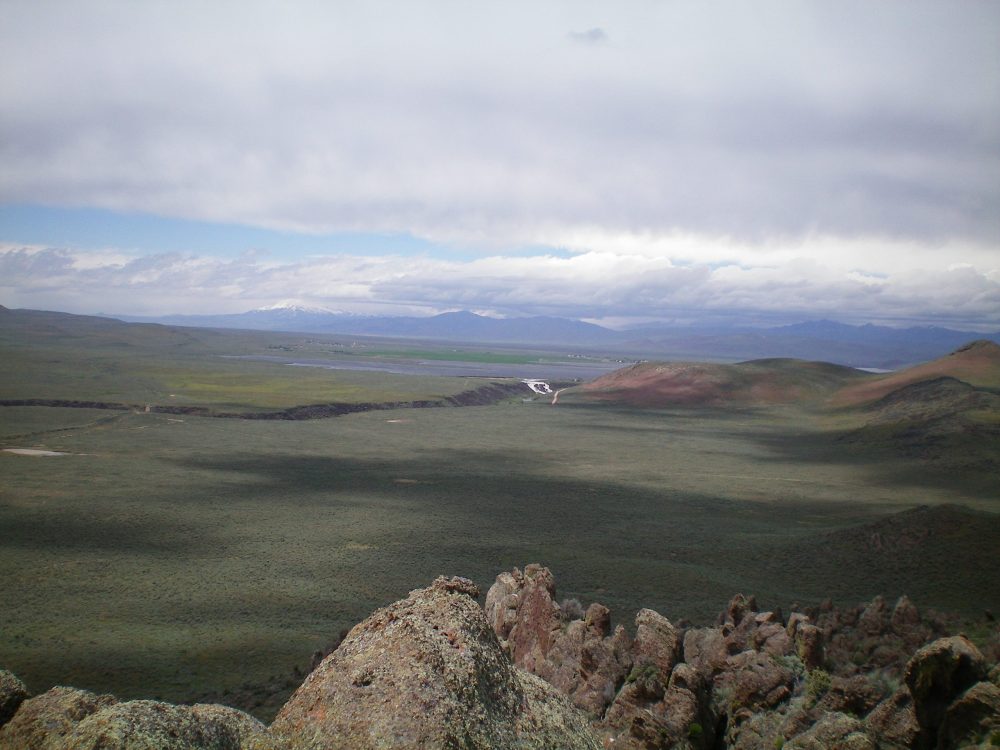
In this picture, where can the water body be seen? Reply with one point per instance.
(535, 371)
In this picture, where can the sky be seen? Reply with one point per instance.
(623, 162)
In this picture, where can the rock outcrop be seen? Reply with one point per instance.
(437, 671)
(43, 722)
(150, 724)
(822, 678)
(582, 658)
(12, 694)
(428, 671)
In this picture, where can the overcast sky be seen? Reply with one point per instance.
(772, 161)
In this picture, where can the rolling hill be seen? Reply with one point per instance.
(976, 363)
(968, 370)
(766, 381)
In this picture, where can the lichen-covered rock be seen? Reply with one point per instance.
(739, 607)
(973, 717)
(738, 623)
(501, 602)
(893, 721)
(241, 726)
(809, 645)
(538, 619)
(546, 721)
(585, 664)
(904, 615)
(657, 642)
(151, 725)
(705, 650)
(42, 722)
(936, 675)
(833, 731)
(851, 695)
(875, 617)
(579, 658)
(771, 635)
(762, 730)
(13, 692)
(651, 712)
(753, 682)
(429, 672)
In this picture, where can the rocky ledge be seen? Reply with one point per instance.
(437, 670)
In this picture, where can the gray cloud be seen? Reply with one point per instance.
(595, 35)
(757, 122)
(767, 159)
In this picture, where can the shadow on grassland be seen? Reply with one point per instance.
(477, 513)
(80, 530)
(946, 555)
(963, 461)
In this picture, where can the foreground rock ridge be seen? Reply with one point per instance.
(437, 670)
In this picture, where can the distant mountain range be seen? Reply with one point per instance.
(825, 340)
(452, 326)
(820, 340)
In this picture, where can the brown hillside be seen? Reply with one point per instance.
(765, 381)
(976, 363)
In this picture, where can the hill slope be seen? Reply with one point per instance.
(766, 381)
(977, 363)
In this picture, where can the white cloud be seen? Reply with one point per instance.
(594, 285)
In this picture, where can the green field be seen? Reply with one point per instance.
(168, 555)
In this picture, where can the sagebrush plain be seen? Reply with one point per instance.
(170, 555)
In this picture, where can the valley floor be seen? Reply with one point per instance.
(162, 551)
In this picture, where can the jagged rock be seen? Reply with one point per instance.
(936, 675)
(874, 619)
(501, 602)
(587, 666)
(809, 727)
(904, 615)
(578, 658)
(894, 722)
(749, 683)
(738, 608)
(809, 645)
(854, 695)
(428, 671)
(705, 650)
(738, 623)
(761, 730)
(149, 725)
(794, 620)
(13, 692)
(657, 642)
(771, 635)
(647, 714)
(834, 731)
(685, 705)
(42, 722)
(598, 619)
(973, 717)
(538, 619)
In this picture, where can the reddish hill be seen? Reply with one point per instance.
(976, 363)
(764, 381)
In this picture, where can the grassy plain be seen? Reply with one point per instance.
(55, 356)
(170, 555)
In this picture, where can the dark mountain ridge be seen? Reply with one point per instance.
(856, 346)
